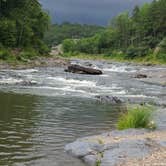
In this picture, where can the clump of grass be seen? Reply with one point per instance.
(137, 117)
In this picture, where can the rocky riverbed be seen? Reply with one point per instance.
(133, 146)
(67, 106)
(124, 148)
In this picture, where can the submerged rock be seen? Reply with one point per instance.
(109, 99)
(73, 68)
(27, 83)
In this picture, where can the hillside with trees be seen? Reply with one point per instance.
(141, 34)
(59, 32)
(22, 27)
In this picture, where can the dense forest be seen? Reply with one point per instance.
(129, 35)
(57, 33)
(25, 31)
(22, 27)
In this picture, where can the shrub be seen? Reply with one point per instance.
(161, 57)
(134, 52)
(69, 45)
(28, 54)
(139, 117)
(4, 54)
(162, 46)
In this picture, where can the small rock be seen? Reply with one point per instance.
(109, 99)
(140, 76)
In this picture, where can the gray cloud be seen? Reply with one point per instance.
(88, 11)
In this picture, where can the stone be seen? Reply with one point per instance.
(140, 76)
(128, 132)
(127, 149)
(81, 149)
(91, 160)
(73, 68)
(109, 99)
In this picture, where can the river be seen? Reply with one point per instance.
(38, 119)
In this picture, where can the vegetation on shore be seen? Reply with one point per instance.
(137, 117)
(23, 24)
(140, 35)
(118, 56)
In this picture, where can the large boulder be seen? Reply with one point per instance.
(73, 68)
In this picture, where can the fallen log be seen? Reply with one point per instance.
(83, 70)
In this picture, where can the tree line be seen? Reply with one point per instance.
(59, 32)
(135, 34)
(23, 24)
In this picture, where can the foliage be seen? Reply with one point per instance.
(135, 35)
(139, 117)
(133, 52)
(23, 24)
(57, 33)
(4, 54)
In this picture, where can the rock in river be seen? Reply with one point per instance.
(109, 99)
(140, 76)
(73, 68)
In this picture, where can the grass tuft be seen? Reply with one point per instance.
(138, 117)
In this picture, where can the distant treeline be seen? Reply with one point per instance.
(130, 35)
(59, 32)
(22, 25)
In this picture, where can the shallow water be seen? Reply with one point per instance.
(34, 129)
(38, 120)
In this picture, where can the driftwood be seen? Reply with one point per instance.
(83, 70)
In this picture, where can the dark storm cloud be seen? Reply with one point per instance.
(88, 11)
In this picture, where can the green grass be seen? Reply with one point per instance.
(137, 117)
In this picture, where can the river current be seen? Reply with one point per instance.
(43, 109)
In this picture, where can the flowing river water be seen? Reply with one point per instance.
(43, 109)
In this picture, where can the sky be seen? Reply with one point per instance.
(98, 12)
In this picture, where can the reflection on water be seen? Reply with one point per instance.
(34, 130)
(17, 126)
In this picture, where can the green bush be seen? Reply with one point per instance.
(133, 52)
(139, 117)
(161, 57)
(162, 45)
(4, 54)
(8, 32)
(27, 54)
(69, 45)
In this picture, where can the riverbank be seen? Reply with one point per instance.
(61, 60)
(124, 148)
(44, 61)
(54, 86)
(147, 60)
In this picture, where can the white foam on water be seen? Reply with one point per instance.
(73, 82)
(10, 81)
(139, 96)
(61, 91)
(27, 71)
(120, 69)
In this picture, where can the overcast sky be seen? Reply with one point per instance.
(88, 11)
